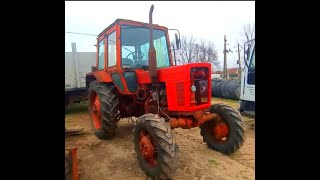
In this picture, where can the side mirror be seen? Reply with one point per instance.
(177, 41)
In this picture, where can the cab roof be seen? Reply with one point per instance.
(124, 21)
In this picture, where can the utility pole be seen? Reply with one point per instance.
(225, 69)
(239, 62)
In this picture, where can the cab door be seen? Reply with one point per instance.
(248, 78)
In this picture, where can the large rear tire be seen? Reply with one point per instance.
(155, 145)
(228, 135)
(103, 109)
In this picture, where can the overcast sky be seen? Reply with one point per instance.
(202, 19)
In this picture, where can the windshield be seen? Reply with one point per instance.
(135, 47)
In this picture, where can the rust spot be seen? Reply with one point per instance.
(185, 123)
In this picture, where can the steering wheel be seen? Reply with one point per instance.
(133, 56)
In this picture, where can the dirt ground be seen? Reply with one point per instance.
(116, 159)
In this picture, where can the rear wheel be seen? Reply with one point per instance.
(103, 109)
(155, 145)
(227, 135)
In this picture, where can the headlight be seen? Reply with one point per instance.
(193, 88)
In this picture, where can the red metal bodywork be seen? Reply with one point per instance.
(175, 80)
(171, 76)
(174, 75)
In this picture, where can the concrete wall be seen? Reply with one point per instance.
(80, 62)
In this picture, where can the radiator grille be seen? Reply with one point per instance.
(180, 93)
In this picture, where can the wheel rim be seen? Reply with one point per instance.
(95, 111)
(147, 148)
(220, 132)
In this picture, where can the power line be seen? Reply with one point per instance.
(82, 34)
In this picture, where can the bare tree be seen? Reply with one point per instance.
(249, 32)
(191, 51)
(205, 52)
(186, 53)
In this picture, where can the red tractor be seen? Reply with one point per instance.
(135, 76)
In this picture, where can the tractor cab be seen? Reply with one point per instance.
(123, 51)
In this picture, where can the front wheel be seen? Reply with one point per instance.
(228, 135)
(155, 145)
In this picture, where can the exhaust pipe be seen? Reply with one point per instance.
(152, 58)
